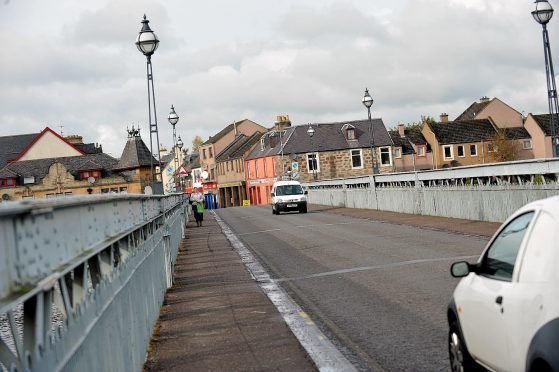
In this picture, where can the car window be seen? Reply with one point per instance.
(500, 258)
(289, 190)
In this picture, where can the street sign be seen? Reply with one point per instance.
(294, 166)
(182, 170)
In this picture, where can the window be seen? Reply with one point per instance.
(350, 134)
(500, 258)
(473, 150)
(461, 153)
(123, 189)
(491, 147)
(289, 190)
(398, 152)
(527, 144)
(212, 174)
(356, 158)
(447, 151)
(313, 162)
(420, 150)
(211, 152)
(385, 156)
(10, 182)
(203, 153)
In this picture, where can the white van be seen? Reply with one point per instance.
(288, 196)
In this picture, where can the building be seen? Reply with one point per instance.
(471, 142)
(230, 166)
(411, 150)
(47, 165)
(217, 143)
(503, 115)
(539, 127)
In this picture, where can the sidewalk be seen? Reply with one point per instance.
(217, 318)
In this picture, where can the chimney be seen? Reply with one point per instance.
(235, 126)
(401, 130)
(444, 117)
(282, 122)
(74, 139)
(484, 99)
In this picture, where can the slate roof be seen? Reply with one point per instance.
(239, 147)
(544, 123)
(517, 133)
(12, 146)
(169, 157)
(135, 155)
(412, 136)
(258, 152)
(329, 137)
(463, 131)
(473, 110)
(193, 161)
(39, 168)
(89, 148)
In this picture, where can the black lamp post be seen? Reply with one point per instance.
(368, 102)
(542, 15)
(147, 42)
(174, 119)
(310, 132)
(180, 146)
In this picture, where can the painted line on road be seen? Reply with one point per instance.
(375, 267)
(324, 354)
(297, 227)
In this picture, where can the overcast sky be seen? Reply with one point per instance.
(74, 64)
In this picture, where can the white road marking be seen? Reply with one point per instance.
(324, 354)
(375, 267)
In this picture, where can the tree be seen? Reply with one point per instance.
(196, 142)
(503, 147)
(419, 124)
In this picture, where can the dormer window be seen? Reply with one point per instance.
(349, 132)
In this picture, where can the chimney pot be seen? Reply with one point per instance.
(401, 130)
(444, 117)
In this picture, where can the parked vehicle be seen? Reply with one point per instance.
(288, 196)
(504, 313)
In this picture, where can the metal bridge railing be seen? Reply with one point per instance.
(82, 279)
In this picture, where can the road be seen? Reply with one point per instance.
(378, 290)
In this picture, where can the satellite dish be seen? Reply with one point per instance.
(148, 190)
(204, 175)
(91, 180)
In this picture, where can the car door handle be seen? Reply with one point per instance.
(499, 300)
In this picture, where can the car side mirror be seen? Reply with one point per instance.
(306, 192)
(272, 194)
(460, 269)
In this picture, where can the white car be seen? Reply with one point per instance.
(288, 196)
(504, 313)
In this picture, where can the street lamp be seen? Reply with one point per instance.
(180, 145)
(542, 15)
(147, 42)
(368, 102)
(310, 132)
(174, 119)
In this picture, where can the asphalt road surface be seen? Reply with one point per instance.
(378, 290)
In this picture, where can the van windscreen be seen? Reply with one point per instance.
(289, 190)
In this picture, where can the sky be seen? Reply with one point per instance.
(72, 65)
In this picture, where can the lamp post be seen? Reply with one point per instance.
(310, 132)
(542, 15)
(180, 145)
(147, 42)
(174, 119)
(368, 102)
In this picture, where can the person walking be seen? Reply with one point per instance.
(197, 200)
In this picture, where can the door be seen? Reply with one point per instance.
(483, 296)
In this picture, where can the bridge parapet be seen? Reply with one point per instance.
(75, 270)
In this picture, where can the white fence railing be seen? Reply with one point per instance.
(488, 193)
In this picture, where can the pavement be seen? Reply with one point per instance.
(216, 317)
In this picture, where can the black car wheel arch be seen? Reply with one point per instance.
(542, 352)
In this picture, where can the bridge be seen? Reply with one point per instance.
(82, 279)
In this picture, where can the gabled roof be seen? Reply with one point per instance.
(38, 139)
(239, 147)
(463, 131)
(12, 146)
(135, 155)
(222, 133)
(39, 168)
(330, 137)
(473, 110)
(545, 124)
(412, 136)
(267, 150)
